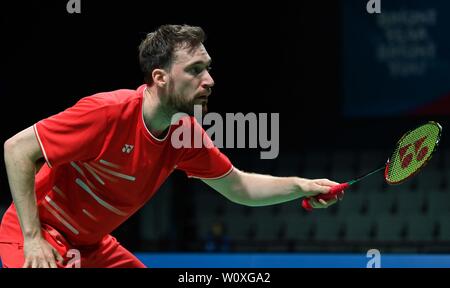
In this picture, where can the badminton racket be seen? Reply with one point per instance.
(411, 154)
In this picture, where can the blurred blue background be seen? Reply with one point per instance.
(397, 62)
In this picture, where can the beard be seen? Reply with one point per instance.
(181, 102)
(178, 104)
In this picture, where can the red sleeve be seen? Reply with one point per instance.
(77, 133)
(206, 162)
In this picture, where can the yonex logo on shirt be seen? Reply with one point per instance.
(127, 148)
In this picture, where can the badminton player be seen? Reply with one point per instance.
(76, 176)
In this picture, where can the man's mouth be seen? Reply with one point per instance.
(202, 98)
(205, 94)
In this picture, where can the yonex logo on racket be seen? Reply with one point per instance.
(400, 166)
(419, 152)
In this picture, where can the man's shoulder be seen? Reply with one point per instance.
(117, 104)
(115, 97)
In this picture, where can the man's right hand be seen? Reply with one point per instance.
(40, 254)
(23, 158)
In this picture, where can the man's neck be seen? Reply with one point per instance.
(157, 117)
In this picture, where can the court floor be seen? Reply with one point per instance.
(202, 260)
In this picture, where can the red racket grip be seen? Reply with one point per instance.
(335, 190)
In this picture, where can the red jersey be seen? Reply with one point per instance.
(103, 165)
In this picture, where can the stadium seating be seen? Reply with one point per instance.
(406, 217)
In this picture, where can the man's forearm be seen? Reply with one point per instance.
(20, 168)
(260, 190)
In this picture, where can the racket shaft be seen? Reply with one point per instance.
(367, 175)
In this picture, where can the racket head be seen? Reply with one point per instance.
(412, 152)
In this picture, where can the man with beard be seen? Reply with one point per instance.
(110, 152)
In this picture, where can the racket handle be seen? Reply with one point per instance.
(335, 190)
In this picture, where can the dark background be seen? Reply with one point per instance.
(275, 57)
(267, 58)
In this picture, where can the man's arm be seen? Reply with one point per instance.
(22, 154)
(260, 190)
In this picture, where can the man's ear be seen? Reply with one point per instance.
(160, 77)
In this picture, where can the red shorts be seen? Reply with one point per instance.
(106, 254)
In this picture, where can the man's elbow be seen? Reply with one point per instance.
(9, 145)
(242, 198)
(14, 147)
(234, 187)
(236, 191)
(23, 145)
(240, 191)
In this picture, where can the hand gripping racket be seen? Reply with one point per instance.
(411, 154)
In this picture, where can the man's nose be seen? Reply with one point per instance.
(209, 81)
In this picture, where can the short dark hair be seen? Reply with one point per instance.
(157, 49)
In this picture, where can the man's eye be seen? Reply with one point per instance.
(196, 70)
